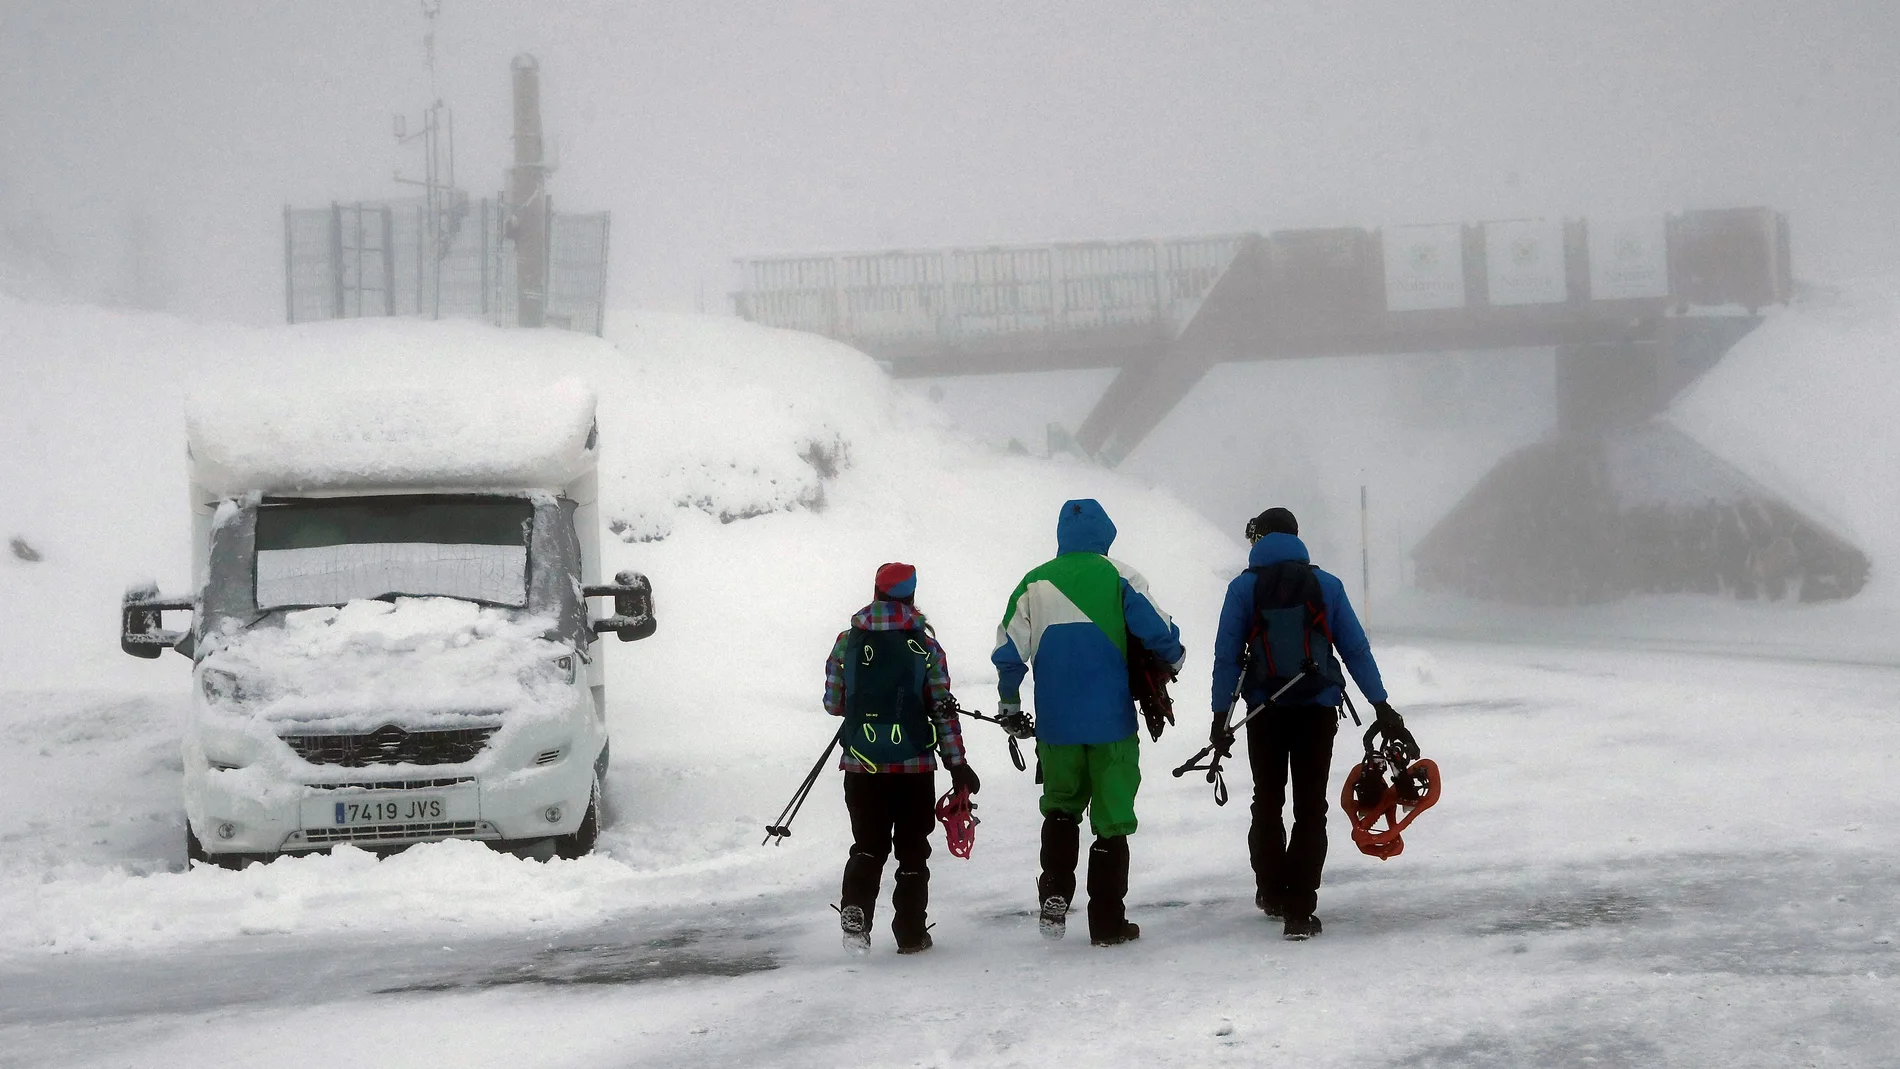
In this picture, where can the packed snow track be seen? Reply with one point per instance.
(1641, 859)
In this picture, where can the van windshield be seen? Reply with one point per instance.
(333, 550)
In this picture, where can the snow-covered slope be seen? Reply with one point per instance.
(758, 477)
(1806, 404)
(729, 452)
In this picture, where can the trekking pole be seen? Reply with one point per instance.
(783, 827)
(1015, 752)
(1219, 748)
(1346, 696)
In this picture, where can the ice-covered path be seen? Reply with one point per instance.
(1641, 859)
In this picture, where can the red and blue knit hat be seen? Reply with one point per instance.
(896, 582)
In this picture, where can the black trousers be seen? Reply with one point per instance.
(1293, 743)
(891, 812)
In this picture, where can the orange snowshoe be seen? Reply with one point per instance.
(1384, 787)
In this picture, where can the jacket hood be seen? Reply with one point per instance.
(1276, 547)
(887, 615)
(1084, 528)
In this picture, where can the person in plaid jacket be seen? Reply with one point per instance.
(888, 678)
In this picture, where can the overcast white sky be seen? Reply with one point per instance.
(715, 129)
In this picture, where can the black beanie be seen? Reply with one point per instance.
(1273, 521)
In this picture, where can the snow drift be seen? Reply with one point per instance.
(759, 478)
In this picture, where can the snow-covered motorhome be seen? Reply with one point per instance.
(391, 638)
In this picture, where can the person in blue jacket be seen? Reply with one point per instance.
(1071, 618)
(1291, 738)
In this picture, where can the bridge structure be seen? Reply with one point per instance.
(1636, 309)
(1635, 296)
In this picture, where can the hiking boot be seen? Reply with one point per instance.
(1054, 918)
(1055, 887)
(1305, 927)
(918, 946)
(1108, 887)
(1271, 905)
(857, 931)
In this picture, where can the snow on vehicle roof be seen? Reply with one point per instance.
(456, 437)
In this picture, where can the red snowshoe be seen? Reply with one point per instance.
(1385, 787)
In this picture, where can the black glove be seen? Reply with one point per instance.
(1011, 718)
(963, 778)
(1218, 735)
(1392, 726)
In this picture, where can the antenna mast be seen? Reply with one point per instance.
(444, 204)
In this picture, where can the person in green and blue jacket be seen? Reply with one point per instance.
(1070, 620)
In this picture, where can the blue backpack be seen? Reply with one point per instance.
(1290, 648)
(885, 719)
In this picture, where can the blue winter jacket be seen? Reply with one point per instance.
(1236, 624)
(1070, 618)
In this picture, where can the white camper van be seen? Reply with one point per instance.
(391, 638)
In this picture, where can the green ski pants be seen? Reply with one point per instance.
(1101, 778)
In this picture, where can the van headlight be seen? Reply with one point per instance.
(226, 749)
(566, 667)
(220, 687)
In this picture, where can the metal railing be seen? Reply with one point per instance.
(372, 258)
(948, 296)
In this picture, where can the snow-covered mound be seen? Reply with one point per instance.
(1806, 405)
(759, 477)
(745, 469)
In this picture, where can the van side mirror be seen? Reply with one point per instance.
(633, 606)
(141, 621)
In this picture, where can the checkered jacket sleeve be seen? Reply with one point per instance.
(834, 676)
(942, 705)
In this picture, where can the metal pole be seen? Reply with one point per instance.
(528, 196)
(1365, 561)
(389, 261)
(600, 306)
(359, 259)
(336, 260)
(290, 287)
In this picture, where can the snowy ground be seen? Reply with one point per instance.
(1641, 859)
(1665, 836)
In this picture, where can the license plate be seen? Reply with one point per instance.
(389, 809)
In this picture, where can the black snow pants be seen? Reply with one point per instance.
(1297, 740)
(890, 812)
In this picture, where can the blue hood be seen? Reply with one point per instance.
(1084, 528)
(1275, 548)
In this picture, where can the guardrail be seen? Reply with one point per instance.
(903, 302)
(940, 296)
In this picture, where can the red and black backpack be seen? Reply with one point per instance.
(1290, 646)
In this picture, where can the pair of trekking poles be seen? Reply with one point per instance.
(1221, 748)
(954, 809)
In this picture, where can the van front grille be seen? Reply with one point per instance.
(391, 745)
(396, 833)
(393, 784)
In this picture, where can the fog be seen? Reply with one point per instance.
(176, 132)
(147, 151)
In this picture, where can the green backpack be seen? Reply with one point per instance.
(885, 720)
